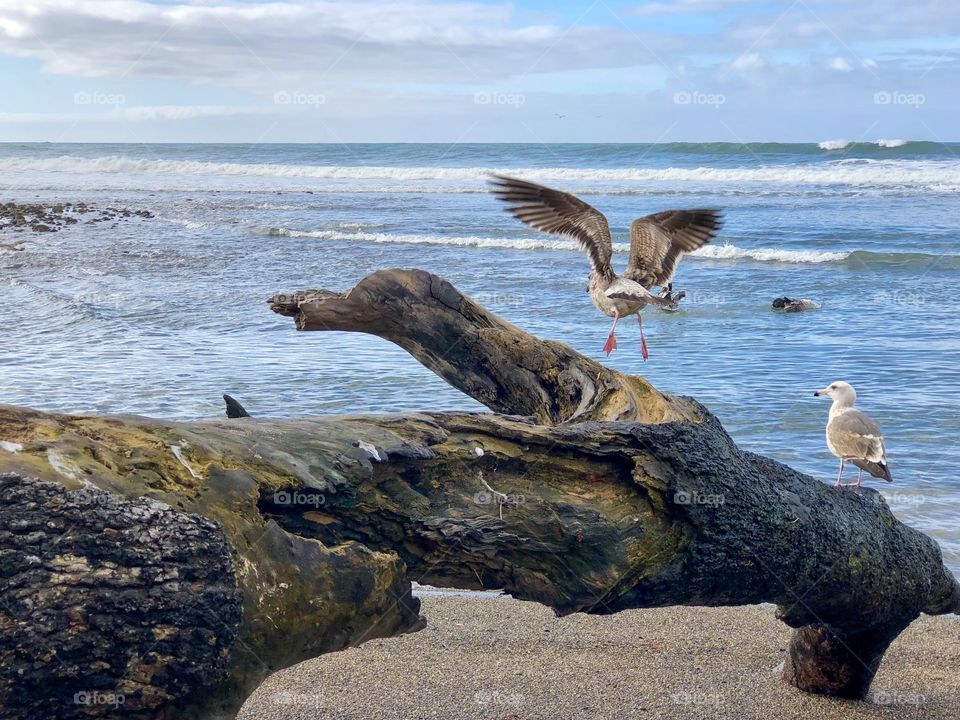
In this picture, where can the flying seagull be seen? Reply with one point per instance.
(656, 243)
(853, 436)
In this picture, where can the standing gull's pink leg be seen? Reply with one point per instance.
(839, 474)
(859, 478)
(611, 344)
(643, 340)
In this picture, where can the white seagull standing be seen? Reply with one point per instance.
(853, 436)
(656, 243)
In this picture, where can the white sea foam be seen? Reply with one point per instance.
(186, 224)
(732, 252)
(544, 243)
(833, 144)
(891, 143)
(710, 252)
(130, 172)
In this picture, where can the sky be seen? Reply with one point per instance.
(525, 71)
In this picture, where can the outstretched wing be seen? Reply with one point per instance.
(657, 241)
(559, 213)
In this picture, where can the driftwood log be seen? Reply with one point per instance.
(217, 552)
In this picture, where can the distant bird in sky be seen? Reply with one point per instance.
(656, 243)
(853, 436)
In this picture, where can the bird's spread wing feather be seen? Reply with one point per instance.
(657, 241)
(858, 438)
(559, 213)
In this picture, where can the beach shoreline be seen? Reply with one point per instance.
(496, 657)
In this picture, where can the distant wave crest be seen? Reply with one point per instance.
(916, 175)
(833, 144)
(732, 252)
(717, 252)
(907, 147)
(711, 252)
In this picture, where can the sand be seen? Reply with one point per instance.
(501, 659)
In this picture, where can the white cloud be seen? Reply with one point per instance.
(841, 64)
(185, 112)
(268, 45)
(845, 24)
(748, 62)
(139, 113)
(684, 7)
(362, 69)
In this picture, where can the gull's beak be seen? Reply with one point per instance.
(816, 393)
(821, 393)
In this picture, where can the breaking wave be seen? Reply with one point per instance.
(940, 174)
(833, 144)
(718, 252)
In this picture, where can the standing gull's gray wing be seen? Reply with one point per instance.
(657, 241)
(559, 213)
(857, 438)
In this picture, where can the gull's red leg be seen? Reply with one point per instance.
(611, 344)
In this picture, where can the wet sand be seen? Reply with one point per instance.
(499, 658)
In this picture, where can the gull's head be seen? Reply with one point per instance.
(840, 391)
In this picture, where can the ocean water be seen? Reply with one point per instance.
(161, 316)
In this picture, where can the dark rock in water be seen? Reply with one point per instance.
(52, 218)
(234, 409)
(794, 305)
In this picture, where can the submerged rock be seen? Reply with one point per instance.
(42, 218)
(794, 305)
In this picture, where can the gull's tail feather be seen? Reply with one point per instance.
(878, 470)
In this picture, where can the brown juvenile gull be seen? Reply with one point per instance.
(853, 436)
(656, 243)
